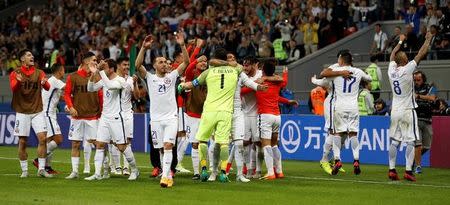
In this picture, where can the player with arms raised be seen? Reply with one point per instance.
(404, 127)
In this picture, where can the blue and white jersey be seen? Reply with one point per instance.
(50, 97)
(402, 85)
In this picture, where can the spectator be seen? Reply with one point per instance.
(444, 49)
(430, 18)
(362, 13)
(381, 108)
(293, 52)
(425, 96)
(280, 51)
(311, 38)
(285, 29)
(393, 40)
(434, 44)
(410, 44)
(298, 37)
(316, 100)
(443, 22)
(379, 43)
(365, 99)
(244, 49)
(265, 49)
(412, 17)
(421, 36)
(375, 73)
(324, 30)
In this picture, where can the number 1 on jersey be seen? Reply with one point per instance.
(222, 80)
(348, 89)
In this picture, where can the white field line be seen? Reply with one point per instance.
(306, 178)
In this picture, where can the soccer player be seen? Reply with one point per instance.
(85, 109)
(50, 100)
(404, 126)
(345, 119)
(221, 82)
(163, 104)
(194, 108)
(112, 124)
(269, 121)
(328, 113)
(26, 84)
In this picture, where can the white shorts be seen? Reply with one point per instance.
(129, 126)
(327, 115)
(345, 121)
(181, 120)
(52, 126)
(238, 128)
(192, 124)
(251, 129)
(163, 131)
(268, 125)
(83, 129)
(112, 130)
(24, 123)
(404, 126)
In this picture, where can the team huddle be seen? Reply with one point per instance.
(225, 104)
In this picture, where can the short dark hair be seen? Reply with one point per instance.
(373, 58)
(424, 77)
(220, 53)
(434, 26)
(269, 68)
(23, 52)
(87, 55)
(347, 58)
(122, 59)
(177, 53)
(250, 59)
(56, 67)
(363, 83)
(341, 52)
(111, 64)
(378, 24)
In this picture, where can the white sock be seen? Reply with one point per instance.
(211, 147)
(125, 161)
(277, 159)
(129, 156)
(393, 153)
(51, 146)
(268, 157)
(327, 146)
(181, 149)
(115, 156)
(251, 157)
(87, 148)
(41, 163)
(239, 152)
(167, 160)
(48, 159)
(75, 164)
(409, 155)
(24, 165)
(216, 158)
(337, 147)
(231, 155)
(98, 161)
(246, 155)
(195, 161)
(355, 147)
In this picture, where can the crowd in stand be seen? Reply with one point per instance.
(287, 30)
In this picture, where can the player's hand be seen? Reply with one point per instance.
(429, 36)
(402, 37)
(232, 63)
(44, 80)
(346, 74)
(102, 65)
(135, 78)
(19, 77)
(313, 78)
(262, 87)
(199, 43)
(202, 58)
(293, 103)
(260, 80)
(148, 41)
(93, 67)
(180, 87)
(73, 112)
(180, 38)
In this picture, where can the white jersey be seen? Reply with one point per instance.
(401, 80)
(163, 104)
(243, 80)
(346, 91)
(126, 96)
(50, 97)
(249, 101)
(112, 102)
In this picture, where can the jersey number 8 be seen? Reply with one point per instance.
(397, 89)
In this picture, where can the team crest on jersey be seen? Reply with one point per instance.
(167, 81)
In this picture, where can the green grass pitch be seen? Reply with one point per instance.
(305, 183)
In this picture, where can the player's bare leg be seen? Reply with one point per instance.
(52, 143)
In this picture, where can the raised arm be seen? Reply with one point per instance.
(397, 47)
(197, 49)
(323, 82)
(423, 50)
(111, 84)
(329, 73)
(250, 83)
(182, 66)
(140, 57)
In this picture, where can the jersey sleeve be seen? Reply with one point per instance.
(320, 82)
(202, 78)
(411, 67)
(114, 84)
(247, 81)
(68, 92)
(59, 84)
(13, 82)
(174, 74)
(46, 85)
(190, 70)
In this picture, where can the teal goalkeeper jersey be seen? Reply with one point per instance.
(221, 83)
